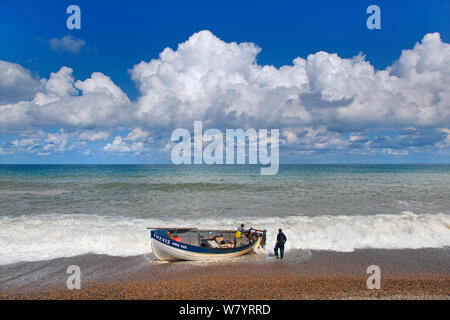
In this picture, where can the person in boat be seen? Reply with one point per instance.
(238, 235)
(281, 240)
(252, 234)
(177, 238)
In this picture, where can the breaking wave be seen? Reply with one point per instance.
(44, 237)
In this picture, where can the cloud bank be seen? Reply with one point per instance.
(321, 103)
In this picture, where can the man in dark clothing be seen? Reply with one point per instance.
(281, 240)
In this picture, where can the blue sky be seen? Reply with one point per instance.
(317, 124)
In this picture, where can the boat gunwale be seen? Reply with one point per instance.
(193, 229)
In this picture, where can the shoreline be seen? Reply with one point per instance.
(405, 274)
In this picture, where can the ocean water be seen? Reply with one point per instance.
(53, 211)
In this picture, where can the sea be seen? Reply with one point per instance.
(58, 211)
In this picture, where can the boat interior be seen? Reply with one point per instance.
(208, 238)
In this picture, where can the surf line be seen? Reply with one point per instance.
(256, 150)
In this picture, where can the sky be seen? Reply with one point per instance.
(114, 90)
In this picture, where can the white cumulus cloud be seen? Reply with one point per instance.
(93, 135)
(319, 102)
(222, 83)
(96, 101)
(67, 43)
(16, 83)
(118, 145)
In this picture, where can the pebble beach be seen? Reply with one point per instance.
(405, 274)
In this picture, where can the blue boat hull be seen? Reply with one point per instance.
(166, 249)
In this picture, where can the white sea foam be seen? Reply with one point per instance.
(43, 237)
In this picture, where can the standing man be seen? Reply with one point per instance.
(281, 240)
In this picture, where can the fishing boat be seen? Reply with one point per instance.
(171, 244)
